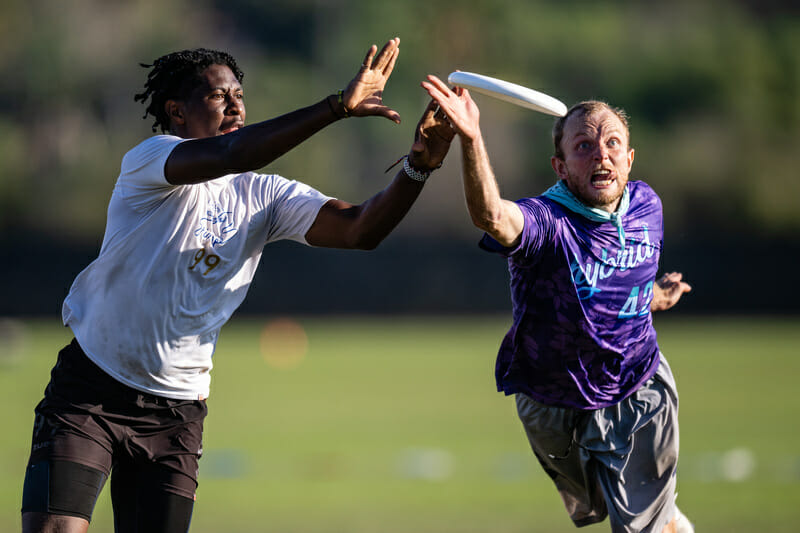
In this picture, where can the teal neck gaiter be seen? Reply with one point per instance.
(561, 194)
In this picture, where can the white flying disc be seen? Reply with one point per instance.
(509, 92)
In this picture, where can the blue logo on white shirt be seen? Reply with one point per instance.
(219, 225)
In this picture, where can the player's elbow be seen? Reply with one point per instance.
(488, 221)
(500, 230)
(363, 236)
(364, 241)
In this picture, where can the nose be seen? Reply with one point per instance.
(235, 105)
(601, 153)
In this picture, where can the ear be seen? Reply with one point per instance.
(559, 166)
(174, 110)
(630, 159)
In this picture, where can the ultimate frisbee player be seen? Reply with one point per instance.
(594, 392)
(187, 222)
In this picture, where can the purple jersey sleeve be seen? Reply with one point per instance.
(582, 333)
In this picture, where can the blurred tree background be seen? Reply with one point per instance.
(712, 88)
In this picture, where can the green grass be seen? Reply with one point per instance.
(394, 425)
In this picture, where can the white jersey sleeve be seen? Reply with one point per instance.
(291, 201)
(142, 171)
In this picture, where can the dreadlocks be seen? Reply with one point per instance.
(175, 75)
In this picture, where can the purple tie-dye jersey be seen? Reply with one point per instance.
(582, 334)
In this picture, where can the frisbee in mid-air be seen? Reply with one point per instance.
(509, 92)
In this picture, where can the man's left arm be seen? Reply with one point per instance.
(340, 224)
(667, 291)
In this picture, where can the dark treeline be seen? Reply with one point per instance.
(712, 89)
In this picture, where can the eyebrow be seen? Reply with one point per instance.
(603, 133)
(579, 135)
(224, 89)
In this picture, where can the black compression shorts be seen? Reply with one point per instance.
(90, 426)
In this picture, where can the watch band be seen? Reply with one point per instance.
(414, 174)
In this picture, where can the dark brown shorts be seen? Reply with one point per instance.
(87, 417)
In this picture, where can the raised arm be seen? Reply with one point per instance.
(496, 216)
(340, 224)
(252, 147)
(668, 290)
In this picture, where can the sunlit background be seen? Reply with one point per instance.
(713, 90)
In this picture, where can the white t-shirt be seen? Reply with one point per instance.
(175, 263)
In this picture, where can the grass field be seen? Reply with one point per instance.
(393, 425)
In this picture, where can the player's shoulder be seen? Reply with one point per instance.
(256, 179)
(544, 208)
(149, 149)
(536, 203)
(542, 213)
(642, 191)
(640, 187)
(156, 141)
(644, 200)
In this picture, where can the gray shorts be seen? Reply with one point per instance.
(619, 461)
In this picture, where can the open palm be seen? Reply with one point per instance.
(364, 94)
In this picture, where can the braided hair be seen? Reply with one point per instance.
(174, 76)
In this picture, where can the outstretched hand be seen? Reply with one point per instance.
(668, 290)
(457, 105)
(363, 96)
(431, 140)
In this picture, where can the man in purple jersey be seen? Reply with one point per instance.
(595, 394)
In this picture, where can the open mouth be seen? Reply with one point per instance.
(230, 129)
(602, 178)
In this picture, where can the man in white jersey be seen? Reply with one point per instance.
(187, 222)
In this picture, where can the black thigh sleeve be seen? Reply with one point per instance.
(165, 513)
(61, 488)
(145, 502)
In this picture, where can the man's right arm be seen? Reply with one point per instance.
(490, 212)
(496, 216)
